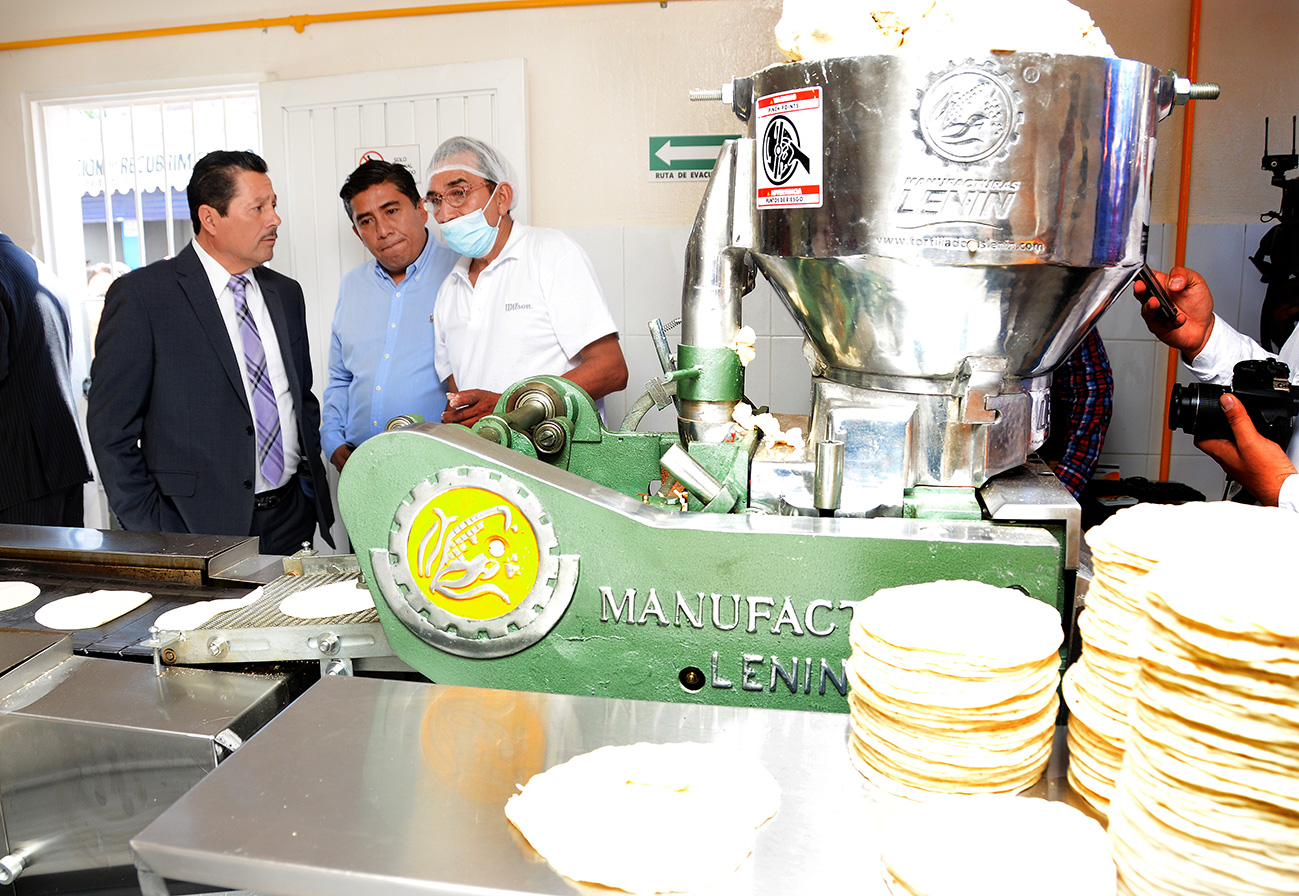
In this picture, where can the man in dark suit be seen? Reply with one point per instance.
(44, 463)
(201, 413)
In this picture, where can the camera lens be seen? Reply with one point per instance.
(1183, 407)
(1197, 410)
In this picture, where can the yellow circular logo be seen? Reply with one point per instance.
(472, 553)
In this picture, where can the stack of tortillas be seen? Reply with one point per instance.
(996, 846)
(1098, 688)
(578, 815)
(953, 688)
(1208, 798)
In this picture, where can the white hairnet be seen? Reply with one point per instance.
(487, 162)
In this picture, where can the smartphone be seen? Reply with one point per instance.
(1167, 310)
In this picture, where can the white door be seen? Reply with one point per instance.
(312, 130)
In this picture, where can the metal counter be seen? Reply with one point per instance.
(93, 749)
(368, 786)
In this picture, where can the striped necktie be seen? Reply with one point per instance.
(266, 414)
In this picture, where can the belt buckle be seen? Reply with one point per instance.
(268, 500)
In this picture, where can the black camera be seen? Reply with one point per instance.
(1263, 387)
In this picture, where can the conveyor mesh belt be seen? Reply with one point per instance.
(265, 611)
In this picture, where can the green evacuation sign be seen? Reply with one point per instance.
(685, 158)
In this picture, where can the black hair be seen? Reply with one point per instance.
(215, 180)
(371, 174)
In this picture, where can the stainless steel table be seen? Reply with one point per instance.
(371, 786)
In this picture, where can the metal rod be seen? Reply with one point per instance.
(688, 471)
(108, 196)
(166, 181)
(827, 483)
(299, 23)
(1183, 220)
(135, 190)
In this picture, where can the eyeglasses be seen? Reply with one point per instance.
(455, 197)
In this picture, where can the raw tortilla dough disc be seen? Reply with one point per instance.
(14, 594)
(180, 619)
(89, 610)
(996, 846)
(578, 814)
(334, 599)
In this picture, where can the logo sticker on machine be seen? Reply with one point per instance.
(790, 170)
(472, 553)
(472, 565)
(968, 115)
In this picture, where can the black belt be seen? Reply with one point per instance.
(268, 500)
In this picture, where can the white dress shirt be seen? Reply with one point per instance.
(219, 277)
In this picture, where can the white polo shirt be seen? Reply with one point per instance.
(534, 308)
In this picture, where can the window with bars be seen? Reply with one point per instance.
(115, 171)
(111, 174)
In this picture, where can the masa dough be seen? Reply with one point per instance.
(14, 594)
(578, 814)
(180, 619)
(89, 610)
(334, 599)
(823, 29)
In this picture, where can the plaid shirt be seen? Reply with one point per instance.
(1082, 399)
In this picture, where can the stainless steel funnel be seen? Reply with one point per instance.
(945, 232)
(969, 210)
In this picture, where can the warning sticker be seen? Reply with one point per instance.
(790, 171)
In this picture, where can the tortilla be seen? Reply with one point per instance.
(89, 610)
(191, 616)
(996, 846)
(334, 599)
(962, 619)
(1209, 791)
(1133, 552)
(577, 815)
(16, 594)
(953, 688)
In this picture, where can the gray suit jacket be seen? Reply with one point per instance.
(169, 421)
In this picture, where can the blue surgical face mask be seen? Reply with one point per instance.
(470, 234)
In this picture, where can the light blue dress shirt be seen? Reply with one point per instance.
(381, 349)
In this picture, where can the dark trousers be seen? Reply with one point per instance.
(64, 507)
(283, 528)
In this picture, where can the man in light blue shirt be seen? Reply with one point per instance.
(381, 346)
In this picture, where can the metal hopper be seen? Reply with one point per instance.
(944, 231)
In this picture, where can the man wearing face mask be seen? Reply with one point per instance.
(521, 301)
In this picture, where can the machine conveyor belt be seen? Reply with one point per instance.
(256, 633)
(119, 637)
(367, 786)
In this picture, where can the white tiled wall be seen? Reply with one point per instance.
(641, 269)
